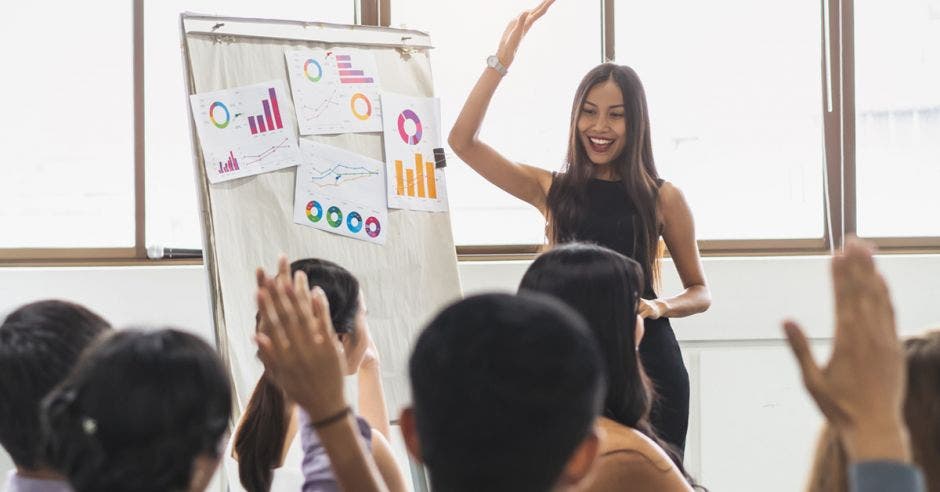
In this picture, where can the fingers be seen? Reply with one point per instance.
(283, 267)
(321, 310)
(518, 29)
(537, 13)
(269, 314)
(812, 374)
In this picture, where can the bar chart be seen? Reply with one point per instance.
(348, 74)
(419, 181)
(271, 119)
(231, 165)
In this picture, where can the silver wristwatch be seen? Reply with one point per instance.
(493, 62)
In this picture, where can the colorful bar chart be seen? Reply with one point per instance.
(230, 166)
(346, 73)
(417, 182)
(271, 119)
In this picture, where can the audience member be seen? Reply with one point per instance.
(142, 412)
(265, 453)
(39, 344)
(605, 288)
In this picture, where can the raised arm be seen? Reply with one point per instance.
(525, 182)
(300, 352)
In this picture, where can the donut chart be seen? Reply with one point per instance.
(334, 216)
(402, 131)
(212, 115)
(352, 106)
(373, 228)
(354, 222)
(307, 70)
(314, 211)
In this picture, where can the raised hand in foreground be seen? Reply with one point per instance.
(860, 390)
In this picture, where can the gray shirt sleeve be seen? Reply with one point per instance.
(885, 476)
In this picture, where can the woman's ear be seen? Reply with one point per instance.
(639, 330)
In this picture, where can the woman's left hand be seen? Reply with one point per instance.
(654, 309)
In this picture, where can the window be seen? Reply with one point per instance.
(172, 200)
(67, 133)
(897, 115)
(736, 109)
(530, 113)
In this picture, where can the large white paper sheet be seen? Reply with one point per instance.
(335, 91)
(341, 192)
(244, 132)
(412, 132)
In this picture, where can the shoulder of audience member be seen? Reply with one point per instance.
(628, 456)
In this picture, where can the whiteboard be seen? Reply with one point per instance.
(248, 222)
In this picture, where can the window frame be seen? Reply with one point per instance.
(840, 197)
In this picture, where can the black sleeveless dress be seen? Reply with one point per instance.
(609, 222)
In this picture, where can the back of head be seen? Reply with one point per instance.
(259, 440)
(604, 287)
(137, 411)
(922, 404)
(505, 388)
(39, 344)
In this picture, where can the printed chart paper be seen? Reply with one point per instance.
(244, 131)
(335, 91)
(412, 132)
(341, 192)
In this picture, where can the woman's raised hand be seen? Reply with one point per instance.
(516, 29)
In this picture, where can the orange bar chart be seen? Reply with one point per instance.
(417, 182)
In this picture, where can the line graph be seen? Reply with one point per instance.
(340, 174)
(267, 153)
(312, 113)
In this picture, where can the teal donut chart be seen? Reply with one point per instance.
(350, 219)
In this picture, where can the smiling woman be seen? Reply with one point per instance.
(608, 193)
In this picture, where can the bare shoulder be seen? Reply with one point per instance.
(670, 196)
(629, 466)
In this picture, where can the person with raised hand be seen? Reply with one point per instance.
(860, 390)
(608, 192)
(301, 352)
(268, 448)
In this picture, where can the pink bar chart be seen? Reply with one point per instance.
(270, 119)
(347, 73)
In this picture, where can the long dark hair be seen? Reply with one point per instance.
(605, 288)
(259, 440)
(137, 410)
(566, 201)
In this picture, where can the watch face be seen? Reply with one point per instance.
(492, 60)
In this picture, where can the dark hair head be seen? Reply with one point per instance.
(922, 403)
(136, 412)
(39, 344)
(505, 389)
(605, 288)
(259, 440)
(635, 167)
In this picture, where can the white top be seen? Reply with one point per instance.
(288, 477)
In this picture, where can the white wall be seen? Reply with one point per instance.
(752, 425)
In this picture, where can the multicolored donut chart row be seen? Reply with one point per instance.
(334, 217)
